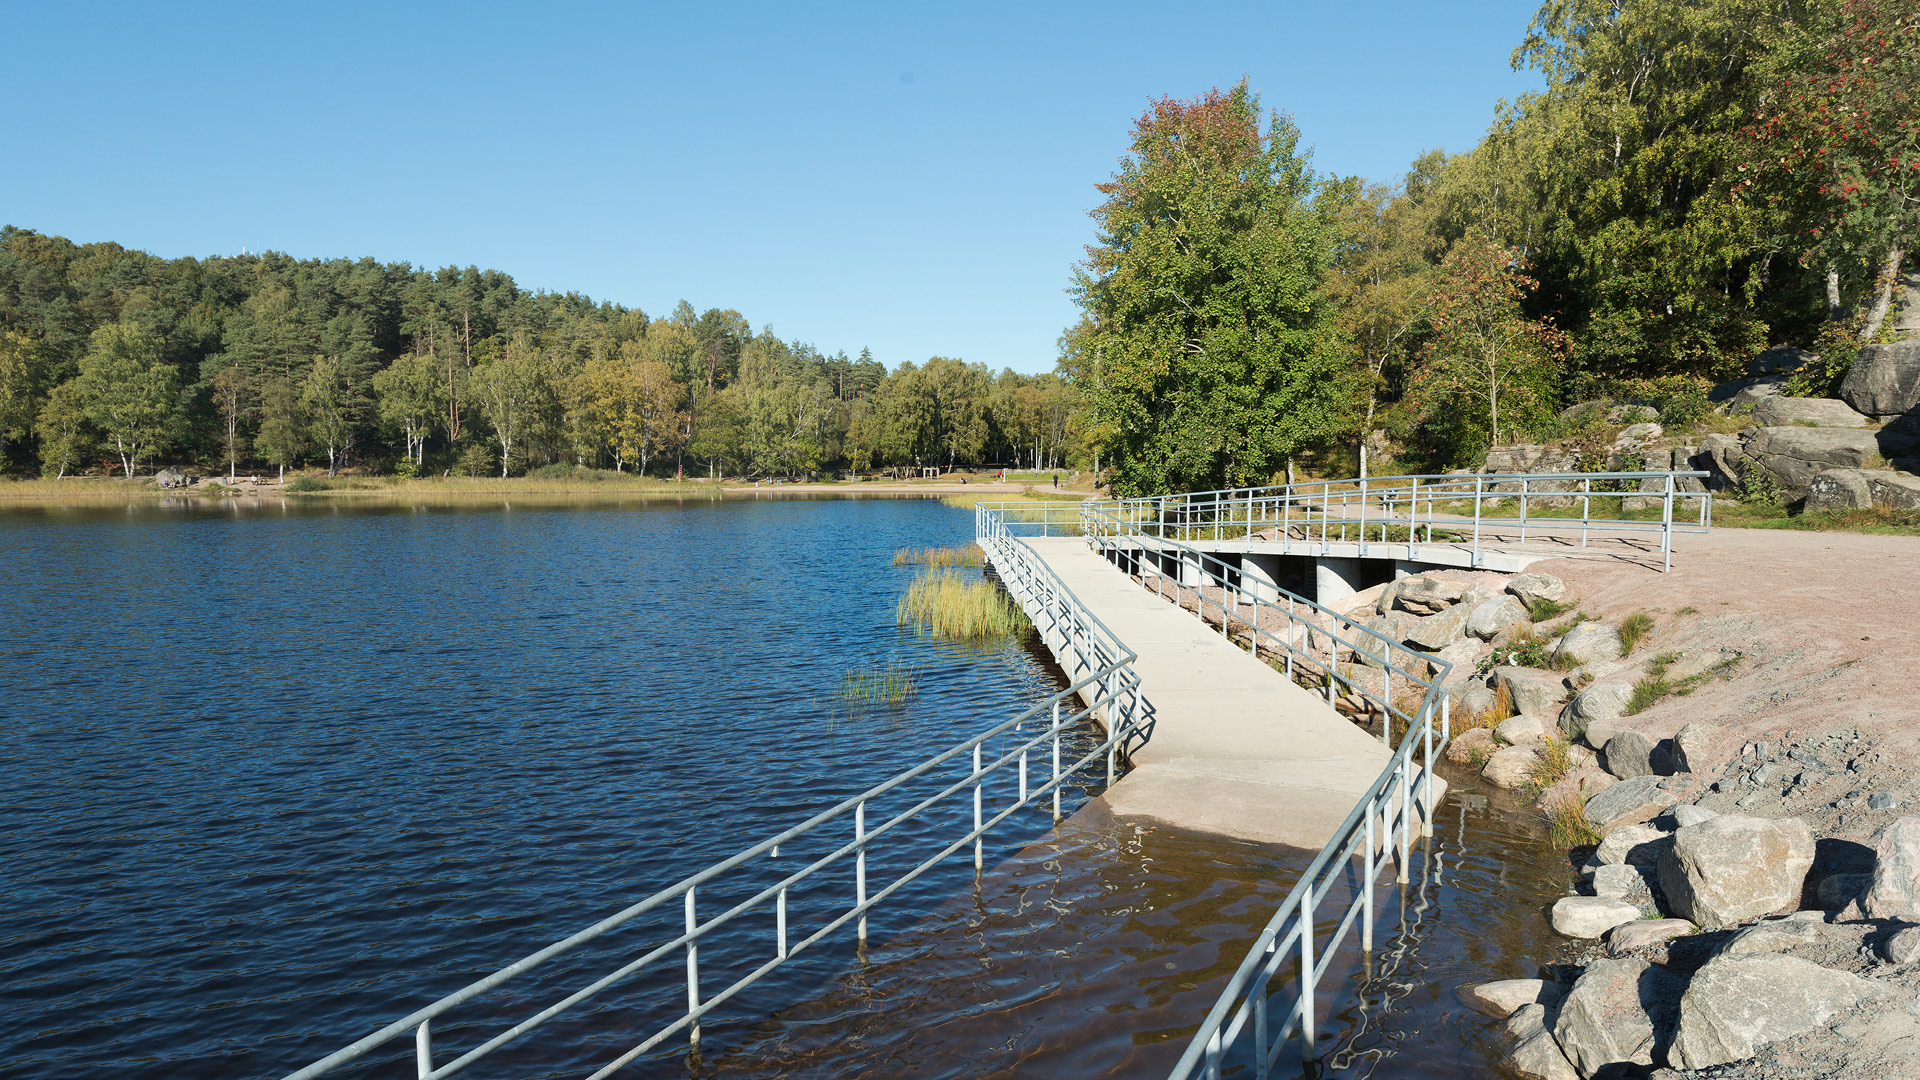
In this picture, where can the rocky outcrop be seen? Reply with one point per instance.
(1771, 936)
(1488, 619)
(1722, 458)
(1781, 360)
(1436, 632)
(1590, 916)
(1734, 868)
(1619, 1012)
(1794, 455)
(1737, 1004)
(1531, 459)
(1589, 643)
(1835, 490)
(1895, 892)
(1635, 845)
(1780, 411)
(1424, 594)
(1884, 380)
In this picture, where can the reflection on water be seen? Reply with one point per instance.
(280, 770)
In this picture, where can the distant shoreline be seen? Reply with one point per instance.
(95, 489)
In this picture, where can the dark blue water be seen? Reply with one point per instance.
(278, 774)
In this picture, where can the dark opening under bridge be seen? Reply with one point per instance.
(1212, 683)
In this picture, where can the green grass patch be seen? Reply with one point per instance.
(1880, 521)
(946, 605)
(940, 557)
(1553, 763)
(1655, 685)
(1544, 609)
(1633, 630)
(887, 684)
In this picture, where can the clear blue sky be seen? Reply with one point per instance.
(907, 177)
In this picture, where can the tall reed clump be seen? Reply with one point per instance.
(1568, 825)
(940, 557)
(947, 605)
(887, 684)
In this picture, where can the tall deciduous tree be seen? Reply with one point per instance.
(411, 398)
(131, 393)
(62, 429)
(231, 391)
(1204, 301)
(20, 375)
(327, 398)
(1486, 360)
(282, 437)
(510, 388)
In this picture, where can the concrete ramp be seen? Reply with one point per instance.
(1234, 748)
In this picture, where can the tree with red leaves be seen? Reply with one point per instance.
(1837, 145)
(1206, 338)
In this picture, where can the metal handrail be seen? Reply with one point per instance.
(1108, 690)
(1316, 510)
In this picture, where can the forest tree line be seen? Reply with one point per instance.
(1698, 180)
(113, 360)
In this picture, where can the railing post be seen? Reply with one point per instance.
(1666, 524)
(1426, 778)
(1056, 761)
(423, 1050)
(860, 860)
(1586, 507)
(1372, 871)
(978, 863)
(1308, 983)
(1523, 510)
(1113, 722)
(1406, 818)
(780, 924)
(693, 975)
(1479, 484)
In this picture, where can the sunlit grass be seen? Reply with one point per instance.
(887, 684)
(940, 557)
(1568, 825)
(947, 605)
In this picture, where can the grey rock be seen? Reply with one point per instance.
(1723, 458)
(1737, 1004)
(1628, 754)
(1436, 632)
(1530, 589)
(1880, 800)
(1903, 947)
(1617, 882)
(1619, 1012)
(1895, 490)
(1471, 744)
(1692, 749)
(1633, 845)
(1531, 691)
(1601, 701)
(1511, 768)
(1780, 411)
(1424, 594)
(1471, 697)
(1884, 380)
(1735, 868)
(1834, 490)
(1630, 802)
(170, 477)
(1531, 459)
(1590, 916)
(1688, 814)
(1590, 643)
(1637, 436)
(1504, 997)
(1523, 729)
(1795, 455)
(1627, 937)
(1531, 1052)
(1488, 619)
(1895, 893)
(1781, 360)
(1836, 891)
(1771, 936)
(1370, 650)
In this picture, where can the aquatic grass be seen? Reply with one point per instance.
(1568, 825)
(940, 557)
(947, 605)
(891, 683)
(1633, 630)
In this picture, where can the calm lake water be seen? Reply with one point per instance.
(277, 774)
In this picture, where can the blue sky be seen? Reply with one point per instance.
(910, 178)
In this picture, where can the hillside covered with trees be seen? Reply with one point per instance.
(1695, 182)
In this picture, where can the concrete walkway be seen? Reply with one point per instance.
(1233, 748)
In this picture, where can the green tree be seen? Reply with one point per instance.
(1203, 299)
(282, 437)
(327, 399)
(63, 431)
(511, 389)
(20, 375)
(231, 388)
(130, 392)
(411, 397)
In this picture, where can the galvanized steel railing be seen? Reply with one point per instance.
(1460, 508)
(1308, 643)
(1104, 687)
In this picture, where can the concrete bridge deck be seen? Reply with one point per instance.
(1234, 748)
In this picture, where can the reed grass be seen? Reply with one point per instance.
(1490, 717)
(1568, 825)
(940, 557)
(1553, 761)
(947, 605)
(886, 684)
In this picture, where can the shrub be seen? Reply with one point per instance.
(307, 483)
(477, 460)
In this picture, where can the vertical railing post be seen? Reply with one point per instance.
(423, 1050)
(1406, 818)
(1586, 507)
(1523, 510)
(1426, 778)
(1113, 728)
(780, 923)
(978, 799)
(1371, 871)
(1666, 524)
(860, 860)
(1479, 484)
(1308, 983)
(1056, 761)
(693, 974)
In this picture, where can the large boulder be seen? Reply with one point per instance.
(1530, 589)
(1833, 490)
(1504, 997)
(1884, 380)
(1629, 802)
(1628, 755)
(1722, 458)
(1530, 459)
(1795, 455)
(1488, 619)
(1471, 697)
(1531, 1051)
(1619, 1012)
(1633, 845)
(1744, 394)
(1436, 632)
(1781, 360)
(1782, 411)
(1531, 691)
(1894, 490)
(1589, 643)
(1693, 749)
(1590, 916)
(1771, 936)
(1512, 767)
(1523, 729)
(1737, 1004)
(1895, 892)
(1601, 701)
(1394, 626)
(1425, 594)
(1735, 868)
